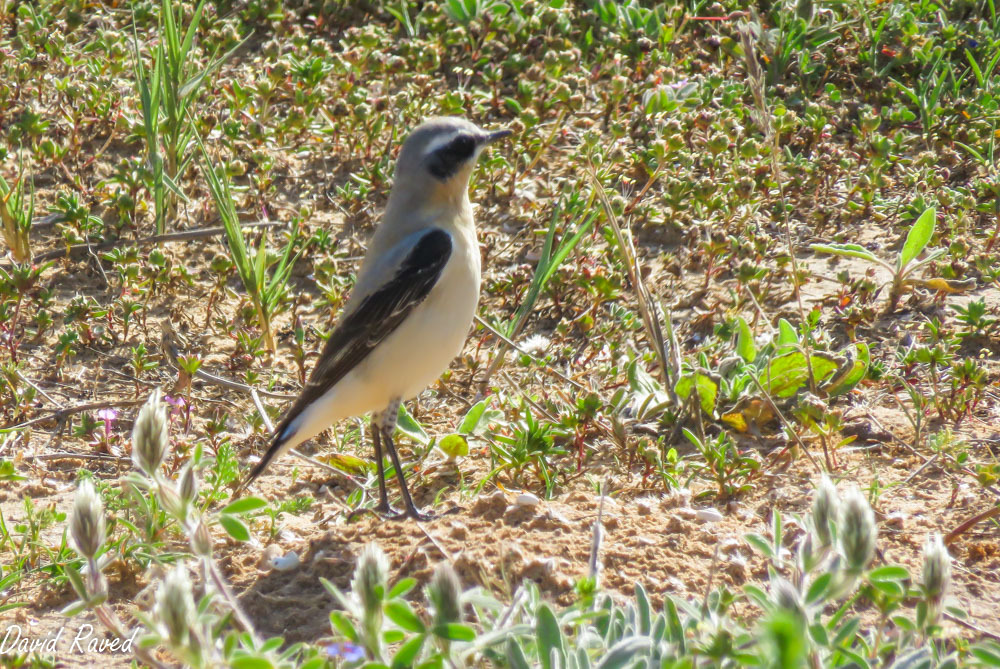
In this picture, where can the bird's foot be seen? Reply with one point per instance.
(385, 512)
(415, 514)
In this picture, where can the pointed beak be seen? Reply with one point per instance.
(495, 136)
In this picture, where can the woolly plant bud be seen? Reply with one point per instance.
(188, 485)
(936, 575)
(786, 596)
(857, 532)
(174, 610)
(149, 435)
(370, 578)
(86, 521)
(445, 592)
(171, 500)
(201, 540)
(824, 510)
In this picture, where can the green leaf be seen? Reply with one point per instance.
(988, 653)
(760, 543)
(72, 609)
(7, 472)
(515, 655)
(471, 421)
(853, 375)
(846, 250)
(847, 632)
(399, 612)
(818, 588)
(407, 653)
(454, 445)
(549, 635)
(234, 527)
(250, 662)
(744, 341)
(787, 336)
(889, 573)
(705, 387)
(708, 390)
(244, 505)
(343, 625)
(409, 426)
(622, 652)
(75, 580)
(402, 587)
(643, 608)
(890, 588)
(918, 237)
(786, 374)
(454, 632)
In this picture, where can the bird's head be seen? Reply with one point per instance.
(438, 156)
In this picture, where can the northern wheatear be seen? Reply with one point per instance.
(412, 305)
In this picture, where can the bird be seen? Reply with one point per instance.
(411, 307)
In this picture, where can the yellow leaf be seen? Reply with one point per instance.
(949, 285)
(735, 421)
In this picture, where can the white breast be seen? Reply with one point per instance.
(415, 354)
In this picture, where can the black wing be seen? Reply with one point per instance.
(372, 321)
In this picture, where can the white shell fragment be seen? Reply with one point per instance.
(286, 562)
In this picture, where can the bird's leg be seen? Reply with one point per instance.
(387, 425)
(383, 498)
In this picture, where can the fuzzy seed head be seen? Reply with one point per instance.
(936, 575)
(445, 593)
(150, 435)
(188, 485)
(370, 577)
(786, 596)
(824, 510)
(201, 540)
(857, 531)
(171, 500)
(174, 609)
(86, 522)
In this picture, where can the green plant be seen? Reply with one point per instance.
(906, 264)
(531, 443)
(16, 216)
(551, 257)
(266, 285)
(167, 92)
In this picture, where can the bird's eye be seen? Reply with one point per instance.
(445, 161)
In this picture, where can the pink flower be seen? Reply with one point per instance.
(108, 416)
(177, 404)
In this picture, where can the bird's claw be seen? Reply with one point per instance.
(385, 513)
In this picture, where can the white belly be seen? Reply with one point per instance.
(409, 359)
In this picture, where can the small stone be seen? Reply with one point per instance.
(678, 497)
(527, 499)
(559, 519)
(709, 515)
(686, 512)
(610, 504)
(730, 544)
(490, 507)
(458, 531)
(268, 556)
(896, 520)
(644, 507)
(646, 541)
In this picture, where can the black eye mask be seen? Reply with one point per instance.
(446, 161)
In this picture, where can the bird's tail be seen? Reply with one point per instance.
(277, 444)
